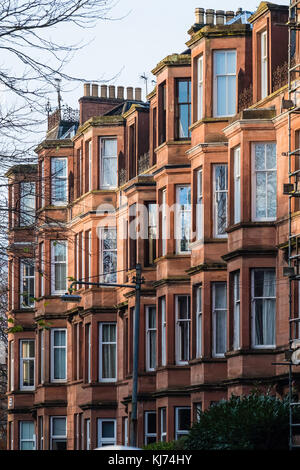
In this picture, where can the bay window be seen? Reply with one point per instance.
(183, 108)
(182, 421)
(150, 338)
(264, 181)
(58, 355)
(183, 218)
(263, 296)
(237, 184)
(200, 87)
(27, 203)
(224, 83)
(236, 310)
(58, 267)
(219, 304)
(150, 427)
(220, 187)
(199, 210)
(108, 255)
(108, 163)
(107, 352)
(183, 319)
(27, 435)
(264, 64)
(27, 363)
(58, 433)
(59, 178)
(107, 432)
(27, 281)
(164, 223)
(163, 331)
(199, 322)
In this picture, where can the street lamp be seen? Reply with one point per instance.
(137, 286)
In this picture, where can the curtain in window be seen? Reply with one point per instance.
(265, 181)
(60, 355)
(265, 307)
(109, 369)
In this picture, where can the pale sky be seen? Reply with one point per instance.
(147, 33)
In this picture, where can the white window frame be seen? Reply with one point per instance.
(89, 254)
(27, 359)
(65, 243)
(215, 79)
(264, 64)
(12, 365)
(90, 164)
(254, 172)
(101, 343)
(179, 211)
(53, 330)
(43, 184)
(126, 431)
(102, 185)
(42, 274)
(216, 192)
(106, 440)
(58, 436)
(236, 310)
(111, 276)
(33, 440)
(237, 184)
(200, 87)
(199, 322)
(42, 355)
(149, 333)
(41, 432)
(163, 432)
(54, 178)
(180, 432)
(199, 209)
(27, 203)
(146, 432)
(164, 223)
(88, 434)
(215, 313)
(23, 279)
(89, 355)
(163, 331)
(253, 302)
(178, 330)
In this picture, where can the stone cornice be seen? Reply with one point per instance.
(55, 143)
(173, 60)
(216, 31)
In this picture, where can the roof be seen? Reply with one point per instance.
(122, 108)
(241, 18)
(22, 169)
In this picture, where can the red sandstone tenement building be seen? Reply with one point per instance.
(210, 141)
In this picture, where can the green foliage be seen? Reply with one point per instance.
(173, 445)
(248, 422)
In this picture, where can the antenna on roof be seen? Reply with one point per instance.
(145, 78)
(58, 80)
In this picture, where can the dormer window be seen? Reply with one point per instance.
(183, 107)
(264, 64)
(224, 83)
(59, 181)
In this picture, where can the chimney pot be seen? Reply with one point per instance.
(103, 91)
(220, 16)
(87, 89)
(120, 92)
(138, 94)
(112, 91)
(95, 90)
(229, 15)
(129, 93)
(210, 16)
(199, 15)
(239, 10)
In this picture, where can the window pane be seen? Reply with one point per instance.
(220, 319)
(59, 338)
(59, 363)
(260, 157)
(151, 423)
(109, 147)
(108, 429)
(221, 96)
(220, 296)
(271, 156)
(231, 62)
(183, 92)
(220, 63)
(231, 97)
(27, 429)
(261, 195)
(59, 426)
(108, 333)
(271, 194)
(184, 120)
(184, 419)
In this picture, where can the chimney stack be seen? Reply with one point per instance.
(87, 89)
(103, 91)
(112, 91)
(210, 16)
(129, 93)
(120, 92)
(138, 94)
(220, 16)
(95, 90)
(229, 15)
(199, 15)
